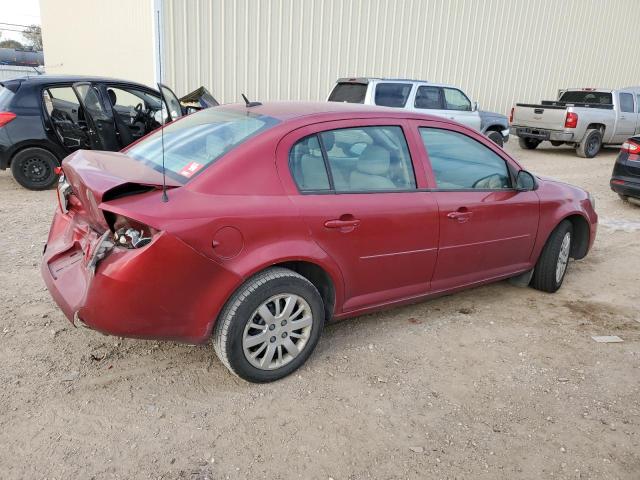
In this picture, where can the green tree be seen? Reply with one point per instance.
(33, 36)
(11, 44)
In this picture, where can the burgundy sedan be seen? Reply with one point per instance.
(283, 216)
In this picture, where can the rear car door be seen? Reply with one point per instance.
(487, 228)
(171, 103)
(447, 102)
(626, 125)
(101, 128)
(354, 184)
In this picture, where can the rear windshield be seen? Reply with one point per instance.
(601, 98)
(5, 97)
(196, 141)
(349, 92)
(392, 94)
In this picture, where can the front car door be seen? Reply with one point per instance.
(626, 124)
(101, 128)
(172, 105)
(487, 227)
(355, 186)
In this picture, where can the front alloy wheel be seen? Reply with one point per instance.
(551, 267)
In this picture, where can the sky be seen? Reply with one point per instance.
(21, 12)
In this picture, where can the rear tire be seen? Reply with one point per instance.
(554, 259)
(590, 144)
(496, 137)
(257, 337)
(34, 168)
(528, 143)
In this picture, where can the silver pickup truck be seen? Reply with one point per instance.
(586, 118)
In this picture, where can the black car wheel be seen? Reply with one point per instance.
(34, 168)
(591, 144)
(552, 264)
(270, 325)
(528, 143)
(495, 137)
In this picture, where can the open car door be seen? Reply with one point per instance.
(171, 103)
(100, 126)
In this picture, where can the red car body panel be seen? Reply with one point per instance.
(244, 213)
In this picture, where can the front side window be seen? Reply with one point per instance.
(626, 102)
(363, 159)
(197, 141)
(456, 100)
(392, 94)
(460, 162)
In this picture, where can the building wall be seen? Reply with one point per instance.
(92, 37)
(498, 51)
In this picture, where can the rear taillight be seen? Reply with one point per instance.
(630, 147)
(511, 115)
(6, 117)
(571, 121)
(130, 233)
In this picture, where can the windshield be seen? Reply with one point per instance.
(582, 96)
(198, 140)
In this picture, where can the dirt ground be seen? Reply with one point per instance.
(496, 382)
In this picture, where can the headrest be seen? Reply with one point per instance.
(374, 160)
(112, 96)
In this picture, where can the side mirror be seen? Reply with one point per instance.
(475, 106)
(525, 181)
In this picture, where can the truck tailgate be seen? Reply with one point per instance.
(539, 116)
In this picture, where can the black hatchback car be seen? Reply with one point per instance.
(625, 179)
(44, 118)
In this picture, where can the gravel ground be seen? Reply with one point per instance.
(496, 382)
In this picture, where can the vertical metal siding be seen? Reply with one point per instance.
(498, 51)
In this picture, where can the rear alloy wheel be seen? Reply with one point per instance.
(552, 264)
(591, 144)
(495, 137)
(34, 168)
(528, 143)
(270, 326)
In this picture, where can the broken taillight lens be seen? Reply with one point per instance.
(64, 190)
(130, 233)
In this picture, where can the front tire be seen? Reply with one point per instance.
(528, 143)
(552, 264)
(590, 144)
(270, 326)
(34, 168)
(496, 137)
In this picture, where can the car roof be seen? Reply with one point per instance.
(366, 80)
(292, 110)
(52, 79)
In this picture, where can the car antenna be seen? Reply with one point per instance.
(248, 103)
(165, 197)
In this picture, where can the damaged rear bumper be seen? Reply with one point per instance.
(133, 292)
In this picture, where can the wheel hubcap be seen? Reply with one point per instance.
(35, 169)
(277, 331)
(563, 257)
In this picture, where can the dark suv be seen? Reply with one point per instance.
(44, 118)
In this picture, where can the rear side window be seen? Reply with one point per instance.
(429, 97)
(6, 95)
(349, 92)
(392, 94)
(456, 100)
(460, 162)
(581, 96)
(626, 102)
(364, 159)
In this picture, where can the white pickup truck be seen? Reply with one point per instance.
(586, 118)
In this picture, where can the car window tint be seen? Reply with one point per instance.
(307, 165)
(368, 159)
(460, 162)
(456, 100)
(429, 97)
(392, 94)
(348, 92)
(626, 102)
(586, 96)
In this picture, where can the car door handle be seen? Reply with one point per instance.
(342, 223)
(462, 215)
